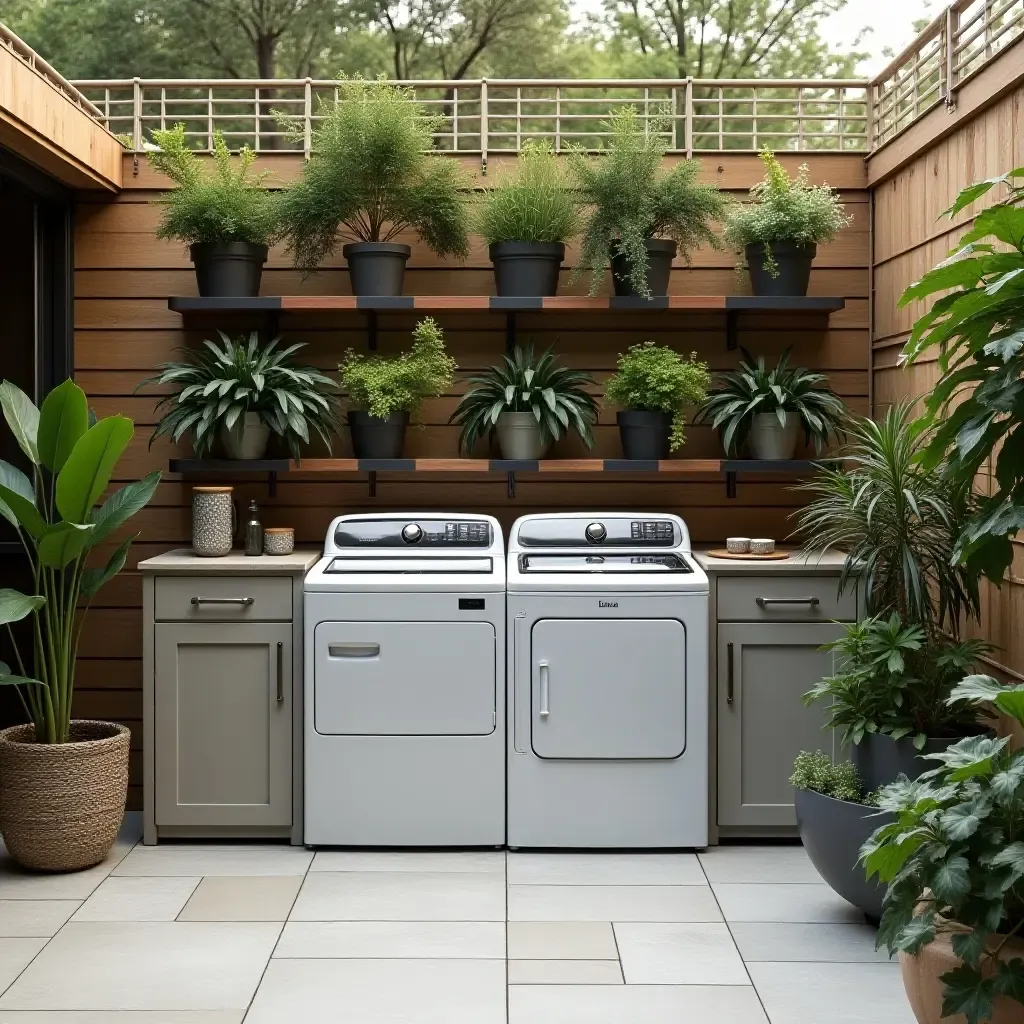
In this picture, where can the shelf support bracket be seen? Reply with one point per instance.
(372, 481)
(732, 340)
(510, 332)
(371, 327)
(272, 484)
(511, 485)
(730, 483)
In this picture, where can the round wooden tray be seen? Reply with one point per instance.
(775, 556)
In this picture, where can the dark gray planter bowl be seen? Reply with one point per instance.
(794, 263)
(376, 268)
(660, 254)
(880, 759)
(374, 438)
(833, 831)
(526, 268)
(228, 269)
(644, 434)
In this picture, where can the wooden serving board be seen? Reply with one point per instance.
(775, 556)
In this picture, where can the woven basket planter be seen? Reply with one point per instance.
(61, 804)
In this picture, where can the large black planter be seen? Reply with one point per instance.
(228, 268)
(793, 265)
(644, 434)
(660, 253)
(526, 268)
(374, 438)
(833, 832)
(880, 759)
(376, 268)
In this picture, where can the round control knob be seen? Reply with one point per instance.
(411, 533)
(596, 533)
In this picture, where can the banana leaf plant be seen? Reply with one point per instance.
(58, 521)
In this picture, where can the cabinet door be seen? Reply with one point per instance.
(763, 671)
(223, 717)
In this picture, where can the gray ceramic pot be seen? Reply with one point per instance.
(376, 268)
(375, 438)
(794, 268)
(660, 254)
(519, 436)
(880, 760)
(228, 268)
(247, 439)
(771, 441)
(644, 434)
(526, 268)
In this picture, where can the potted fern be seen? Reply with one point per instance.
(224, 214)
(370, 178)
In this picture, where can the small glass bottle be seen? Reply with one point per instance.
(253, 531)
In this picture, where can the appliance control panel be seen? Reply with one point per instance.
(394, 533)
(621, 533)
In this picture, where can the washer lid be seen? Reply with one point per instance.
(656, 563)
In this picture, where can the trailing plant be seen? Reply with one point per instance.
(222, 202)
(655, 378)
(218, 384)
(533, 204)
(371, 175)
(556, 395)
(632, 198)
(382, 385)
(785, 391)
(55, 514)
(818, 773)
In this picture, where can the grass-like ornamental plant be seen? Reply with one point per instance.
(382, 385)
(219, 383)
(57, 518)
(817, 772)
(655, 378)
(371, 175)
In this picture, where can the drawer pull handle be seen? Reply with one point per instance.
(729, 674)
(280, 672)
(353, 650)
(244, 601)
(545, 685)
(764, 602)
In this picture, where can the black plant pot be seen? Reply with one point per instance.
(527, 268)
(228, 268)
(376, 268)
(833, 832)
(880, 759)
(794, 268)
(660, 254)
(374, 438)
(644, 434)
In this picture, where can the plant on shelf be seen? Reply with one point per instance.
(526, 219)
(769, 407)
(371, 177)
(780, 229)
(384, 391)
(528, 402)
(222, 212)
(240, 392)
(63, 782)
(654, 385)
(640, 214)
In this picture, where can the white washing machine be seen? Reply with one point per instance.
(607, 683)
(405, 709)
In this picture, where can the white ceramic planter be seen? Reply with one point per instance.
(769, 440)
(247, 439)
(519, 436)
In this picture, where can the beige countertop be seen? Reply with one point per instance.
(184, 560)
(829, 562)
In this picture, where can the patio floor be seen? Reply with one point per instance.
(208, 934)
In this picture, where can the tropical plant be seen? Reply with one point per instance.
(955, 853)
(785, 390)
(556, 396)
(372, 176)
(216, 385)
(819, 774)
(383, 385)
(225, 202)
(632, 199)
(55, 515)
(533, 204)
(655, 378)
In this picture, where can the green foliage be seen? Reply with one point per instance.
(370, 176)
(817, 772)
(632, 198)
(384, 385)
(216, 385)
(654, 378)
(556, 396)
(533, 204)
(222, 203)
(55, 516)
(786, 391)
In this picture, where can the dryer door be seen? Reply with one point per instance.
(608, 688)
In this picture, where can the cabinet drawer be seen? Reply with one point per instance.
(784, 598)
(223, 598)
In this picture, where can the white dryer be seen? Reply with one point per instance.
(607, 683)
(404, 688)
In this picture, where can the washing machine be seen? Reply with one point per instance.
(607, 683)
(404, 687)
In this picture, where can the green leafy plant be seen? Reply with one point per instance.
(655, 378)
(955, 855)
(785, 390)
(216, 385)
(383, 385)
(224, 202)
(533, 204)
(556, 396)
(819, 774)
(58, 522)
(632, 199)
(785, 209)
(372, 176)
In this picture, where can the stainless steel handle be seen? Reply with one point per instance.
(729, 673)
(545, 685)
(763, 602)
(280, 672)
(353, 650)
(245, 601)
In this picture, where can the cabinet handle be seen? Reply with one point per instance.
(763, 602)
(729, 674)
(245, 601)
(544, 687)
(280, 672)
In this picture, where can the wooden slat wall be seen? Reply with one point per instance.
(124, 277)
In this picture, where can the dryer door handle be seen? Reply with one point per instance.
(353, 650)
(544, 672)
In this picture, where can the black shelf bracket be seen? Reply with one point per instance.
(371, 329)
(510, 342)
(272, 484)
(511, 485)
(730, 483)
(732, 340)
(371, 478)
